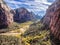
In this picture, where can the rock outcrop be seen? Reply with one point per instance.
(55, 23)
(49, 14)
(22, 15)
(55, 20)
(52, 19)
(6, 17)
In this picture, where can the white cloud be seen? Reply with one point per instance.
(43, 1)
(35, 6)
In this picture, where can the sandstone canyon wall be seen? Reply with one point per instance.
(52, 20)
(6, 17)
(55, 20)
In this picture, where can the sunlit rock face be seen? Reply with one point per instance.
(6, 18)
(55, 20)
(49, 14)
(22, 15)
(52, 19)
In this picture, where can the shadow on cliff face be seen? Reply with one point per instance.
(52, 17)
(3, 26)
(54, 40)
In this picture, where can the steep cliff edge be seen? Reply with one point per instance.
(52, 20)
(6, 17)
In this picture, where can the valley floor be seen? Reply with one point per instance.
(27, 34)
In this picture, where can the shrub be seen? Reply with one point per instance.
(9, 40)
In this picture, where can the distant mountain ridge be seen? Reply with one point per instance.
(8, 15)
(23, 15)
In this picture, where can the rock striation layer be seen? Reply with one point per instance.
(52, 20)
(6, 17)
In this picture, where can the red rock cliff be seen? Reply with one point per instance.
(52, 19)
(6, 18)
(55, 20)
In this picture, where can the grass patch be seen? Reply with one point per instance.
(36, 36)
(15, 27)
(39, 39)
(33, 35)
(9, 40)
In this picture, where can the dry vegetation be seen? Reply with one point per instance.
(33, 35)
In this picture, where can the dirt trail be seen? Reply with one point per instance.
(14, 32)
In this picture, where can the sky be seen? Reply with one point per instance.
(37, 6)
